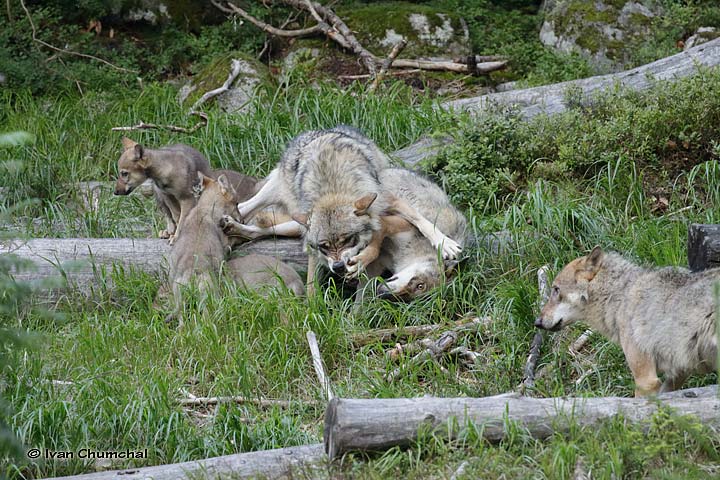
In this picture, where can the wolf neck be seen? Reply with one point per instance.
(203, 221)
(606, 291)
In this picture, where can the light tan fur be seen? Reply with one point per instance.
(664, 319)
(199, 251)
(259, 272)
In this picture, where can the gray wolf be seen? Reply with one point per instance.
(198, 254)
(257, 272)
(663, 318)
(174, 170)
(328, 181)
(413, 262)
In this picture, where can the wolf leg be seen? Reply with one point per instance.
(674, 382)
(266, 196)
(162, 201)
(185, 207)
(233, 228)
(390, 225)
(438, 239)
(642, 366)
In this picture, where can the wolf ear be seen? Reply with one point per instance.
(225, 185)
(594, 259)
(127, 143)
(363, 203)
(450, 266)
(205, 181)
(301, 218)
(140, 155)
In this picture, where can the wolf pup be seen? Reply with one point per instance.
(410, 257)
(199, 251)
(664, 319)
(174, 171)
(329, 182)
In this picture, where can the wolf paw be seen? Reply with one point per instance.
(165, 234)
(450, 248)
(225, 223)
(353, 268)
(172, 238)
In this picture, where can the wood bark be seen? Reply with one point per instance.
(703, 246)
(80, 260)
(379, 424)
(291, 462)
(552, 99)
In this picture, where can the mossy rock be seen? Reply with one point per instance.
(430, 31)
(253, 75)
(604, 31)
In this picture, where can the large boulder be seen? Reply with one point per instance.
(429, 31)
(603, 31)
(253, 75)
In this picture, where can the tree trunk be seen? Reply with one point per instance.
(703, 246)
(379, 424)
(551, 99)
(292, 462)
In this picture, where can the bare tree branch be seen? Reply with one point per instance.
(266, 27)
(387, 62)
(172, 128)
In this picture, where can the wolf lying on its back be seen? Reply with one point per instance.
(412, 260)
(664, 319)
(329, 182)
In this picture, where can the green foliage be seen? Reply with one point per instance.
(659, 130)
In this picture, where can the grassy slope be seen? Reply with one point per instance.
(127, 365)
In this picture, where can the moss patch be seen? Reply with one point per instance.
(378, 24)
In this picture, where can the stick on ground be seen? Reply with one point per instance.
(317, 363)
(537, 341)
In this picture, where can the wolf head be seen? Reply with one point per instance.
(416, 280)
(338, 229)
(569, 296)
(217, 197)
(131, 167)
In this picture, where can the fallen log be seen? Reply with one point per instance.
(552, 99)
(79, 260)
(379, 424)
(304, 461)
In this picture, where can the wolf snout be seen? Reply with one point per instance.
(538, 322)
(338, 267)
(382, 291)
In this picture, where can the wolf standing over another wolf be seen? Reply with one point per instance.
(664, 319)
(329, 182)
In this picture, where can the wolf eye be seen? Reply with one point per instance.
(124, 174)
(556, 291)
(324, 246)
(420, 286)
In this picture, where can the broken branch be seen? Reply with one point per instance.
(317, 363)
(387, 62)
(536, 344)
(172, 128)
(303, 32)
(260, 402)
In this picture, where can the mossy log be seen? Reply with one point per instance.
(552, 99)
(379, 424)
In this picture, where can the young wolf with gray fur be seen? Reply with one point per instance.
(329, 182)
(199, 252)
(414, 263)
(664, 319)
(174, 171)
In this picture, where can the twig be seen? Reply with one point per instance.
(260, 402)
(485, 67)
(68, 52)
(317, 363)
(385, 335)
(364, 76)
(578, 344)
(172, 128)
(303, 32)
(434, 349)
(235, 67)
(467, 325)
(387, 62)
(460, 471)
(536, 344)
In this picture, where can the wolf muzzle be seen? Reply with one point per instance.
(338, 267)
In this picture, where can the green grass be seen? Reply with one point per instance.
(126, 366)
